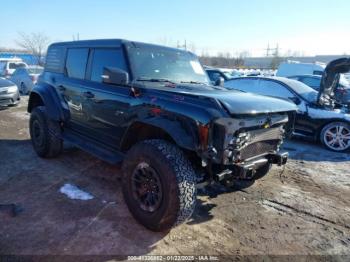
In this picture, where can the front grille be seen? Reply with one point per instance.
(274, 133)
(258, 148)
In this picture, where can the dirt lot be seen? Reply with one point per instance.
(306, 211)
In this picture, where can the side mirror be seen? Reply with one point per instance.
(295, 100)
(220, 81)
(115, 76)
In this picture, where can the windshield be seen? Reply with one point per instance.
(303, 90)
(149, 62)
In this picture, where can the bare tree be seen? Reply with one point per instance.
(35, 43)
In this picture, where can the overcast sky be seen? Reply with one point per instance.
(308, 27)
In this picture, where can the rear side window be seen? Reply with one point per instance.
(106, 58)
(76, 62)
(55, 59)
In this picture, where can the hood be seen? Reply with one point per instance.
(247, 103)
(330, 80)
(236, 102)
(5, 83)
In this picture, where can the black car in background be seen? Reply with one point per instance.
(318, 117)
(341, 92)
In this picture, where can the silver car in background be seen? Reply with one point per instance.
(26, 78)
(9, 95)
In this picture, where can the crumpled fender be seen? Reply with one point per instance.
(182, 132)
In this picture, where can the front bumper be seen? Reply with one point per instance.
(9, 99)
(247, 170)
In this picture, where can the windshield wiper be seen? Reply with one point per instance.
(192, 82)
(155, 80)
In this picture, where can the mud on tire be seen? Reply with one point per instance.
(44, 133)
(176, 179)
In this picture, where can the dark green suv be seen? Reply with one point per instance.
(152, 109)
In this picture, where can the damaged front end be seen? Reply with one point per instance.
(238, 147)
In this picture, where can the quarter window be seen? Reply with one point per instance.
(106, 58)
(76, 62)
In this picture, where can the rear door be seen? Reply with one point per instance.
(72, 88)
(108, 105)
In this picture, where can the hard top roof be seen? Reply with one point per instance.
(109, 43)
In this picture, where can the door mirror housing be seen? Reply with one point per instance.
(220, 81)
(115, 76)
(295, 100)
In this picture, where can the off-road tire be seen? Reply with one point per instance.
(262, 171)
(177, 179)
(48, 142)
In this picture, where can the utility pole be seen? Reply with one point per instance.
(76, 37)
(268, 50)
(272, 51)
(184, 46)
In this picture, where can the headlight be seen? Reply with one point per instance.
(12, 89)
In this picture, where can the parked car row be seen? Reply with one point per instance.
(26, 77)
(320, 116)
(16, 78)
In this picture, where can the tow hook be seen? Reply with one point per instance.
(280, 158)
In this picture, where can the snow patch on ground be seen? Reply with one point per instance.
(73, 192)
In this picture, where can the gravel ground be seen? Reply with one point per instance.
(304, 211)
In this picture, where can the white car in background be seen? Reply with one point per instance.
(9, 65)
(26, 77)
(292, 68)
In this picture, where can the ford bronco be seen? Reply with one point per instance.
(152, 109)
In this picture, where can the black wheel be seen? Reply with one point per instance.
(159, 184)
(44, 133)
(262, 171)
(336, 136)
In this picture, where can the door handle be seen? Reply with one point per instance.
(88, 94)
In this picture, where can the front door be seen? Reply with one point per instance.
(108, 105)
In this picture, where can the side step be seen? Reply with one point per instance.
(90, 146)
